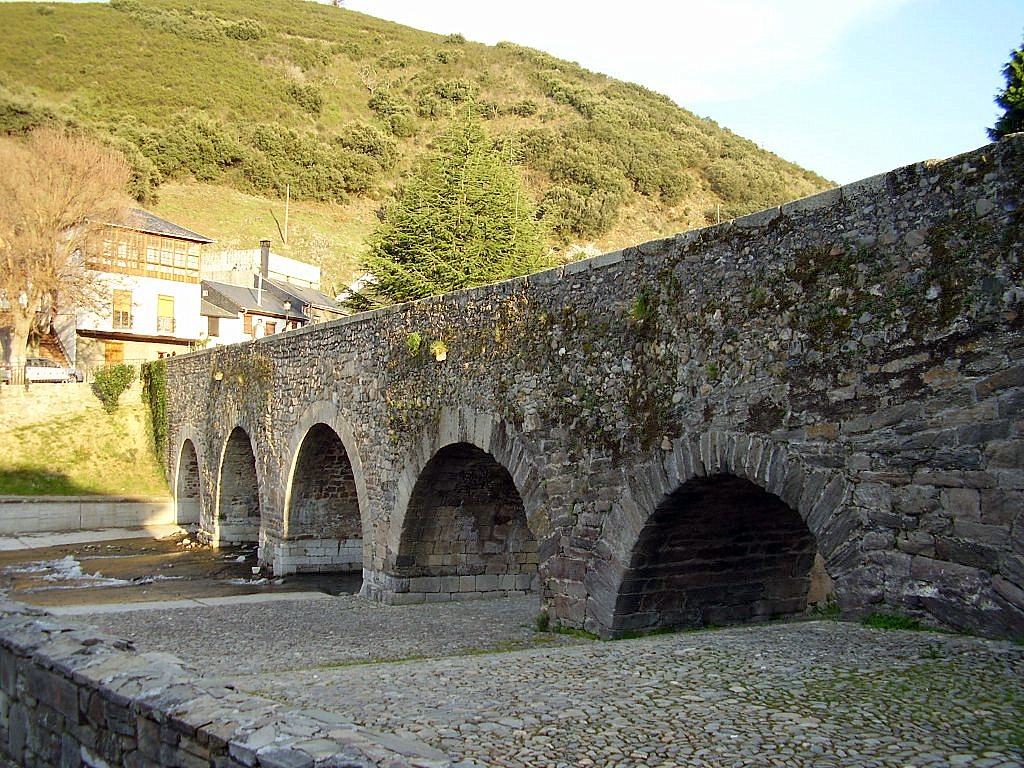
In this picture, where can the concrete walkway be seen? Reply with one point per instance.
(41, 540)
(177, 605)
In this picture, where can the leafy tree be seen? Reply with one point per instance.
(1011, 99)
(59, 190)
(462, 220)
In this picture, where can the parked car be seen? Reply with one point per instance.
(41, 369)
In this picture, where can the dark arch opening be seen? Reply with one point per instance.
(466, 527)
(238, 501)
(323, 507)
(718, 550)
(186, 488)
(324, 500)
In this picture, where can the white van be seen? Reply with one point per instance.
(41, 369)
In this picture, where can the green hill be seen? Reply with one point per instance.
(222, 110)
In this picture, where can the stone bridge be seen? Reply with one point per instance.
(819, 402)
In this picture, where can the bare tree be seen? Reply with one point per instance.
(59, 190)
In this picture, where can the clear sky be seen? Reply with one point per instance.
(847, 88)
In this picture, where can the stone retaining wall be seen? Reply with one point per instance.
(52, 514)
(71, 696)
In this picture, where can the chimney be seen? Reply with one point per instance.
(264, 258)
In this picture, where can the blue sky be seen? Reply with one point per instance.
(847, 88)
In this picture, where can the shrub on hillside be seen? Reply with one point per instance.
(576, 96)
(308, 96)
(524, 108)
(110, 382)
(189, 145)
(456, 90)
(393, 112)
(571, 212)
(370, 141)
(314, 170)
(20, 114)
(245, 29)
(145, 177)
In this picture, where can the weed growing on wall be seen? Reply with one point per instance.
(154, 394)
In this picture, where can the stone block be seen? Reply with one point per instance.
(507, 582)
(945, 573)
(284, 757)
(970, 553)
(1011, 377)
(405, 598)
(815, 202)
(961, 503)
(876, 497)
(522, 582)
(759, 219)
(486, 582)
(917, 543)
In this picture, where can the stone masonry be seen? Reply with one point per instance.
(72, 696)
(839, 380)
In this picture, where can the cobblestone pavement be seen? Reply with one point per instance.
(817, 693)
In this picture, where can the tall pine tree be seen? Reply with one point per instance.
(1011, 99)
(463, 219)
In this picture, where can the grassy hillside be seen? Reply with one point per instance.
(79, 451)
(222, 109)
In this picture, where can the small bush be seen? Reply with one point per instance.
(245, 29)
(890, 621)
(524, 108)
(456, 90)
(307, 96)
(447, 56)
(413, 342)
(110, 382)
(542, 621)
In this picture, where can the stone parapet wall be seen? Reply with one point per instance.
(70, 696)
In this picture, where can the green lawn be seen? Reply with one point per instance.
(88, 452)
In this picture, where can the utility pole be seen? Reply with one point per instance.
(287, 201)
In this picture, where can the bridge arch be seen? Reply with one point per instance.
(468, 515)
(325, 500)
(727, 528)
(188, 481)
(238, 511)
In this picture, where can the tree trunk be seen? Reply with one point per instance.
(21, 327)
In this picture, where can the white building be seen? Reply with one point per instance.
(148, 275)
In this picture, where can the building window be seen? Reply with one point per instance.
(247, 324)
(122, 309)
(165, 314)
(113, 352)
(271, 328)
(213, 327)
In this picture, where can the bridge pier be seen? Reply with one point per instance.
(309, 554)
(408, 590)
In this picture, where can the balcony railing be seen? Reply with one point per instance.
(165, 324)
(123, 320)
